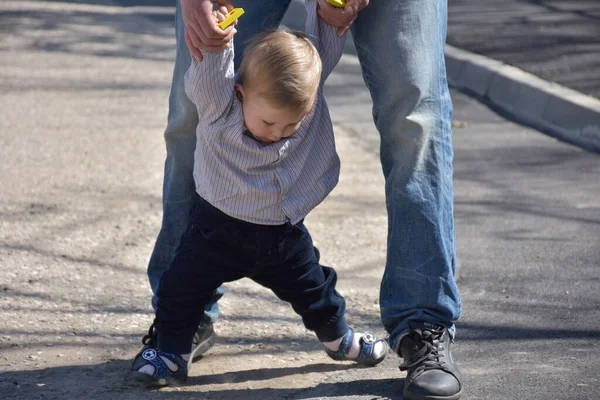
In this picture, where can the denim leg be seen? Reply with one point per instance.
(400, 45)
(180, 137)
(178, 184)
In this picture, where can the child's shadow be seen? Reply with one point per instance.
(262, 374)
(377, 388)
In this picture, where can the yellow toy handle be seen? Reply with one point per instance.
(231, 17)
(337, 3)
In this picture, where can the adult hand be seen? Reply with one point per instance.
(201, 29)
(343, 18)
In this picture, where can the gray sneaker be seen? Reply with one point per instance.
(204, 338)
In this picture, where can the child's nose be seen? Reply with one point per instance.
(276, 135)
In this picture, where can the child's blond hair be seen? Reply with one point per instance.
(284, 67)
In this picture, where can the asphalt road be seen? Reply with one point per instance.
(557, 40)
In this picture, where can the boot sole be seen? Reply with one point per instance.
(408, 396)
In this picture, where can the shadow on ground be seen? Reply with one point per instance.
(113, 27)
(113, 380)
(93, 31)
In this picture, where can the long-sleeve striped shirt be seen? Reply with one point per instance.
(267, 184)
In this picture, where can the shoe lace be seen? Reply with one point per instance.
(150, 338)
(429, 356)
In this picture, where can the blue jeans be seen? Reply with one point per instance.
(400, 45)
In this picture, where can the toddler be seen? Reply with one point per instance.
(265, 156)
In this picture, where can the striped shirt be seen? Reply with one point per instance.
(262, 183)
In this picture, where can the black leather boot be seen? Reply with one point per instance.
(432, 374)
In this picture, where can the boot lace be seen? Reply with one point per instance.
(429, 355)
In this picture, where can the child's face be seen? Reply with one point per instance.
(267, 123)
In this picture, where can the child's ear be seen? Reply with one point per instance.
(239, 91)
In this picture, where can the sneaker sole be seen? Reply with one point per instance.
(150, 381)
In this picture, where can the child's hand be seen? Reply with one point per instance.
(201, 29)
(343, 18)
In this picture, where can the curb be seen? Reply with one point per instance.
(556, 110)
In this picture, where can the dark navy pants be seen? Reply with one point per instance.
(217, 248)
